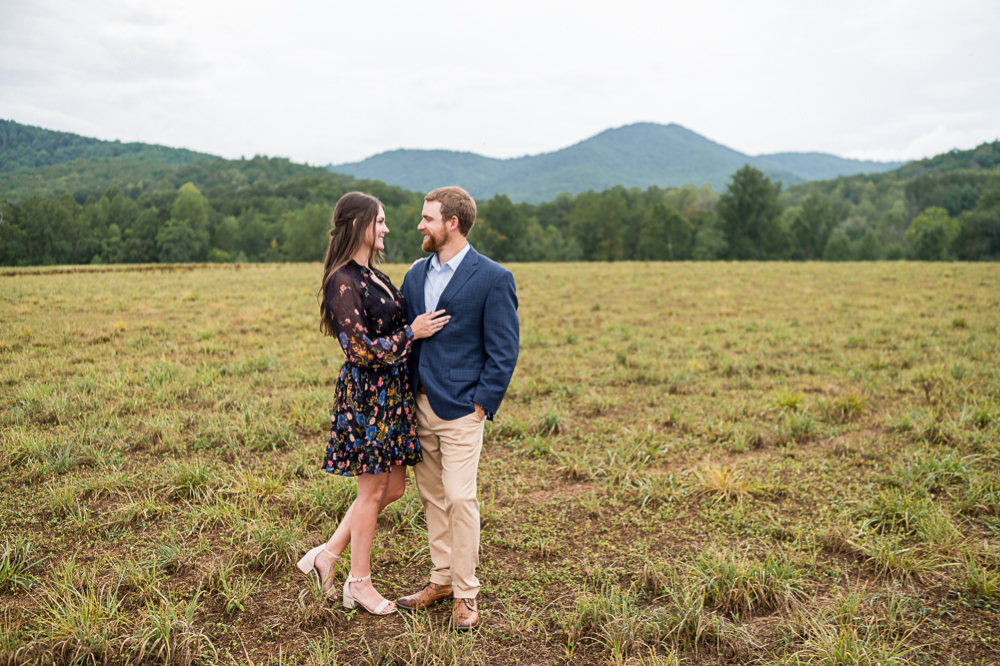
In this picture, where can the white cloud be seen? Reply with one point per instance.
(338, 81)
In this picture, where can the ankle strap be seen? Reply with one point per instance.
(352, 579)
(336, 557)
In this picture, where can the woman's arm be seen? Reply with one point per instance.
(346, 308)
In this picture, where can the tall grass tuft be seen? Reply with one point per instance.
(933, 471)
(797, 428)
(850, 631)
(550, 423)
(737, 583)
(259, 430)
(139, 510)
(139, 577)
(682, 620)
(981, 496)
(167, 635)
(891, 558)
(788, 401)
(272, 542)
(721, 482)
(424, 642)
(978, 580)
(322, 651)
(17, 559)
(172, 555)
(844, 408)
(231, 584)
(610, 618)
(78, 626)
(195, 480)
(899, 510)
(936, 529)
(61, 498)
(257, 485)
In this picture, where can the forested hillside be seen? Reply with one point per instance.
(29, 147)
(957, 189)
(44, 162)
(639, 155)
(270, 209)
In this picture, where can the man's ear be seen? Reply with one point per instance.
(453, 223)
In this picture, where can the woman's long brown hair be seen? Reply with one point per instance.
(346, 238)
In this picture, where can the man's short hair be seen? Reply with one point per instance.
(455, 202)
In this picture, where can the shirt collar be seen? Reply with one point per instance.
(454, 262)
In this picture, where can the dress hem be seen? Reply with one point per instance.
(387, 470)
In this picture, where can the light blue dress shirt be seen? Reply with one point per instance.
(439, 276)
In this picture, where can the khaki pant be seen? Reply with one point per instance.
(446, 480)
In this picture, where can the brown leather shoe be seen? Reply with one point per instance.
(425, 598)
(466, 614)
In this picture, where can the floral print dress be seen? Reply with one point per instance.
(374, 417)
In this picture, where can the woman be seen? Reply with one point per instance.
(374, 435)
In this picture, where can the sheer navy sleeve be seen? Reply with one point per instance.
(346, 308)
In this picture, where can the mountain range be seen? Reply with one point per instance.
(38, 161)
(638, 155)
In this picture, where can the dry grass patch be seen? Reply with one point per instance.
(722, 482)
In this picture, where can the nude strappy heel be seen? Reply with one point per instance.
(308, 564)
(350, 601)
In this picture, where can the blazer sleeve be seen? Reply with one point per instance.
(501, 341)
(350, 321)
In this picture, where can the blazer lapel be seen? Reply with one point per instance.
(417, 288)
(461, 276)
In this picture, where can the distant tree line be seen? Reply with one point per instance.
(272, 210)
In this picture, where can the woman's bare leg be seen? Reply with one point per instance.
(394, 489)
(364, 515)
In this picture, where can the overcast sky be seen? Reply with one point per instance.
(334, 81)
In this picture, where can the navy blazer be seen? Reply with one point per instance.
(471, 359)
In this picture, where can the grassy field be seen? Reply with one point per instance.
(695, 464)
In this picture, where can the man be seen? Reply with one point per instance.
(459, 377)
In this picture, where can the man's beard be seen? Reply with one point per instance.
(433, 243)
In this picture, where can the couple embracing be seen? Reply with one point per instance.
(425, 366)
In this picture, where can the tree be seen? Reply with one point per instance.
(111, 246)
(709, 241)
(13, 246)
(869, 247)
(596, 223)
(177, 242)
(503, 228)
(838, 248)
(307, 233)
(226, 234)
(50, 233)
(217, 256)
(192, 207)
(139, 240)
(559, 247)
(932, 234)
(749, 212)
(664, 234)
(253, 239)
(811, 227)
(980, 237)
(990, 199)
